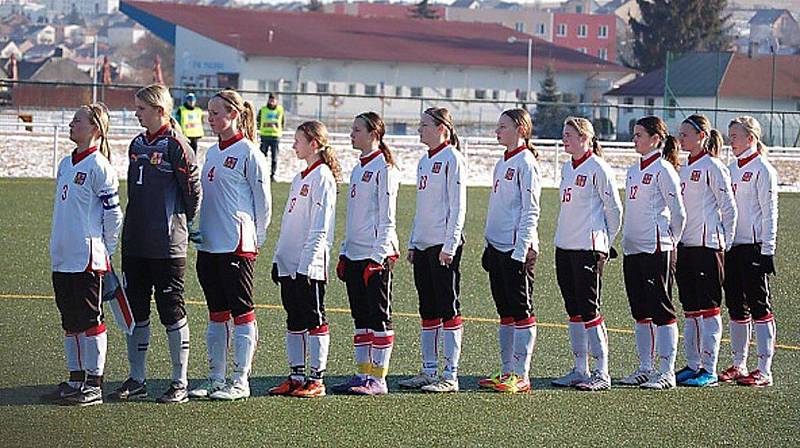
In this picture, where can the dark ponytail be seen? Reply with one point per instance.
(376, 125)
(714, 143)
(670, 151)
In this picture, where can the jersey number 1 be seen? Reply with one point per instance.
(141, 175)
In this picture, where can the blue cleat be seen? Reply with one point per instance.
(684, 374)
(702, 379)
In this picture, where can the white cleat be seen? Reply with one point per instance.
(442, 386)
(660, 381)
(235, 391)
(208, 387)
(571, 379)
(418, 381)
(597, 382)
(637, 378)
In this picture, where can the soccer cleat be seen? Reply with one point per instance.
(311, 389)
(442, 386)
(571, 379)
(63, 390)
(129, 390)
(756, 378)
(732, 374)
(490, 381)
(208, 387)
(87, 396)
(685, 373)
(239, 390)
(598, 381)
(286, 387)
(513, 384)
(344, 388)
(637, 378)
(702, 379)
(660, 381)
(417, 381)
(371, 386)
(175, 394)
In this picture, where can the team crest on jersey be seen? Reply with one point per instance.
(304, 190)
(580, 180)
(695, 175)
(230, 162)
(647, 178)
(437, 166)
(156, 157)
(366, 176)
(80, 178)
(509, 174)
(747, 176)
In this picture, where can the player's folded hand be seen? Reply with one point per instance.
(275, 273)
(768, 264)
(340, 268)
(370, 270)
(194, 233)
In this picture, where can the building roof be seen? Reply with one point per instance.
(767, 16)
(344, 37)
(729, 74)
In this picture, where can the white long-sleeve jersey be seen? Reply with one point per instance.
(513, 218)
(654, 212)
(755, 187)
(87, 217)
(237, 202)
(441, 200)
(371, 227)
(591, 210)
(308, 223)
(710, 207)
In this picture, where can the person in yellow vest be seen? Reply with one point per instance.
(271, 120)
(190, 117)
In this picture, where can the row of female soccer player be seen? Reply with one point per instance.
(675, 214)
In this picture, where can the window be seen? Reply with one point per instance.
(262, 85)
(480, 94)
(671, 112)
(448, 93)
(582, 30)
(303, 87)
(519, 27)
(578, 9)
(398, 91)
(496, 94)
(275, 85)
(322, 87)
(416, 92)
(370, 89)
(628, 100)
(650, 102)
(602, 53)
(540, 29)
(602, 32)
(582, 50)
(562, 29)
(352, 89)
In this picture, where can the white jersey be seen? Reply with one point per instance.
(591, 210)
(755, 187)
(654, 212)
(236, 198)
(86, 215)
(710, 207)
(371, 227)
(308, 224)
(513, 217)
(441, 200)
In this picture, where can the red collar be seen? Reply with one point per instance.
(368, 158)
(434, 151)
(78, 156)
(160, 131)
(310, 168)
(746, 160)
(509, 154)
(697, 157)
(647, 162)
(577, 162)
(224, 144)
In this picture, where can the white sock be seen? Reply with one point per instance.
(692, 338)
(178, 341)
(245, 339)
(218, 337)
(93, 345)
(712, 334)
(765, 342)
(645, 343)
(137, 344)
(452, 347)
(524, 341)
(362, 343)
(598, 343)
(319, 341)
(666, 346)
(505, 336)
(429, 339)
(740, 342)
(296, 353)
(579, 344)
(72, 352)
(382, 344)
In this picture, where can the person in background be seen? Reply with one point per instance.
(271, 121)
(190, 117)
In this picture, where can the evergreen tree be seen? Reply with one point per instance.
(677, 26)
(423, 10)
(548, 120)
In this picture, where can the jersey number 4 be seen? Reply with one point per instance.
(211, 174)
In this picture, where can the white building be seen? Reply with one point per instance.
(84, 7)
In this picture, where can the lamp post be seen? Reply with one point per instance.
(513, 40)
